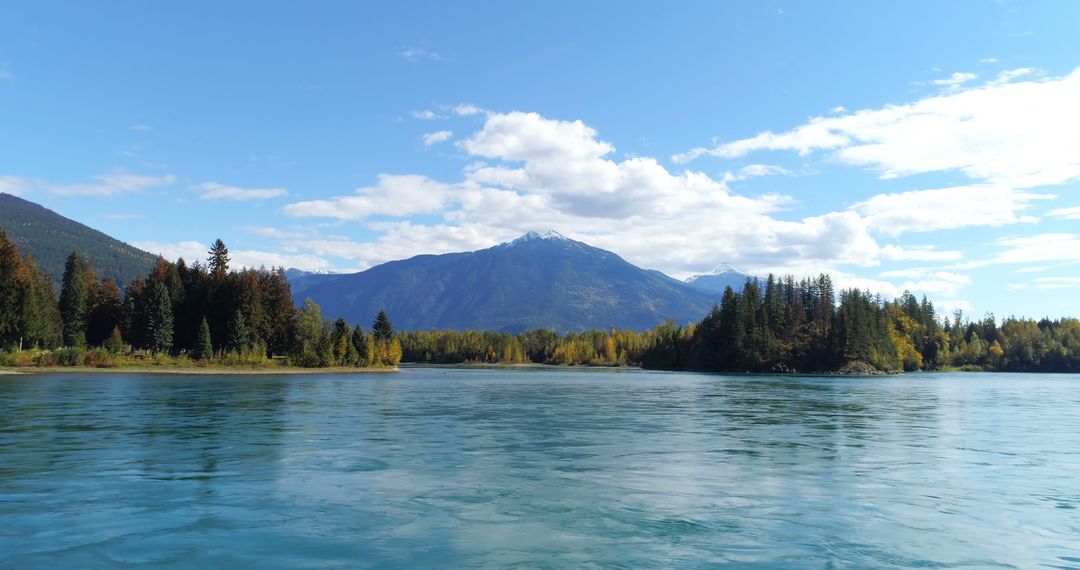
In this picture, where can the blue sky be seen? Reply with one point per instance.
(927, 146)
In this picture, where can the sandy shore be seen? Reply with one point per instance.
(209, 370)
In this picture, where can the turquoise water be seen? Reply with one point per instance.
(539, 468)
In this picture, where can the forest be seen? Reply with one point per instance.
(784, 326)
(177, 315)
(209, 315)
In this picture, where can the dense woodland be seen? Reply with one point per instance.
(784, 325)
(199, 313)
(210, 315)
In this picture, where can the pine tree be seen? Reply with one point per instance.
(239, 338)
(204, 348)
(160, 320)
(381, 328)
(219, 259)
(75, 300)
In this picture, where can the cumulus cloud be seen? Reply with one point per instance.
(394, 195)
(538, 173)
(114, 184)
(437, 137)
(216, 191)
(1019, 134)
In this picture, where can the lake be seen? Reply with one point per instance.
(556, 468)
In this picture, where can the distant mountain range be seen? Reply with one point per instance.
(719, 279)
(535, 281)
(52, 237)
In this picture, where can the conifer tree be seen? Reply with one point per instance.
(75, 300)
(219, 259)
(239, 338)
(204, 348)
(160, 320)
(381, 328)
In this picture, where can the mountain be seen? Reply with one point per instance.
(536, 281)
(300, 280)
(51, 238)
(719, 279)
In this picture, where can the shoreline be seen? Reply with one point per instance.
(202, 371)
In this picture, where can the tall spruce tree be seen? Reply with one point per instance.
(160, 320)
(204, 348)
(75, 300)
(219, 259)
(381, 328)
(239, 338)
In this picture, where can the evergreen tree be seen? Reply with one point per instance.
(219, 259)
(239, 338)
(204, 348)
(75, 300)
(115, 342)
(341, 339)
(160, 320)
(381, 328)
(12, 294)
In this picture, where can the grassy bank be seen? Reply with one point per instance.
(101, 360)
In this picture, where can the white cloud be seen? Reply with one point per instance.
(540, 174)
(755, 170)
(6, 74)
(116, 183)
(955, 80)
(394, 195)
(216, 191)
(142, 128)
(14, 185)
(1044, 283)
(1019, 134)
(988, 60)
(1037, 249)
(467, 109)
(192, 250)
(416, 54)
(1067, 213)
(426, 115)
(437, 137)
(1010, 74)
(946, 208)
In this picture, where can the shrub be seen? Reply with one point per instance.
(101, 358)
(71, 356)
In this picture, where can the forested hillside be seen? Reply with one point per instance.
(51, 237)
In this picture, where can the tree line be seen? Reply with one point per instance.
(205, 313)
(784, 325)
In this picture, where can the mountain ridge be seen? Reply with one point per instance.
(51, 237)
(535, 281)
